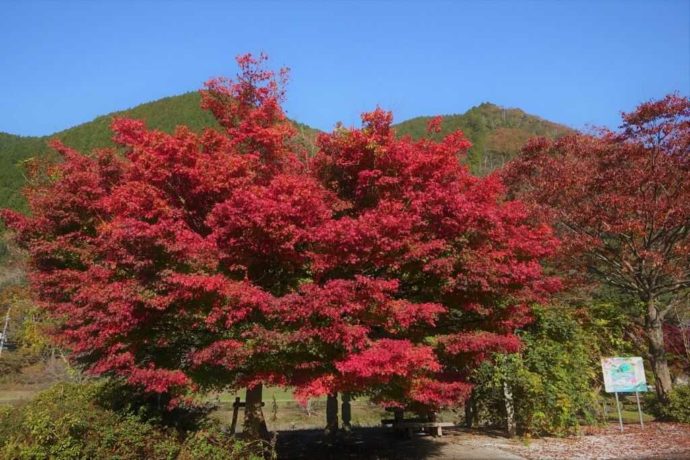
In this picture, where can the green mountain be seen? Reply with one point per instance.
(496, 133)
(14, 150)
(164, 114)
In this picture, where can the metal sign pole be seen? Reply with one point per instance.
(3, 339)
(639, 409)
(620, 417)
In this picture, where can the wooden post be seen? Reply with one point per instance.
(235, 411)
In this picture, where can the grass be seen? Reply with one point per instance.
(282, 412)
(290, 415)
(628, 416)
(13, 396)
(629, 412)
(280, 394)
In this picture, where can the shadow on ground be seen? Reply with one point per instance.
(361, 443)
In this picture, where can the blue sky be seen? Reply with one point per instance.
(575, 62)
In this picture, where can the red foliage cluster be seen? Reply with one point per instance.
(621, 200)
(621, 204)
(380, 266)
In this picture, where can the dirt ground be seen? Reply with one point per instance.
(655, 441)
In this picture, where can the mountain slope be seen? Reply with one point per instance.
(163, 114)
(497, 133)
(14, 150)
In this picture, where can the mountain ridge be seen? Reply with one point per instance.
(496, 133)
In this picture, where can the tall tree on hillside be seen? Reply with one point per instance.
(621, 202)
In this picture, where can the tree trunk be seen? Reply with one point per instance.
(510, 410)
(657, 356)
(332, 414)
(470, 411)
(254, 422)
(346, 412)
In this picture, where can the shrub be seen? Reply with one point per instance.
(66, 422)
(13, 361)
(122, 398)
(552, 380)
(212, 444)
(678, 407)
(72, 421)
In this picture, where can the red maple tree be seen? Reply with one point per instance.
(411, 212)
(225, 259)
(164, 258)
(621, 203)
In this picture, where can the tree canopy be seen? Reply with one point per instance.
(620, 201)
(230, 258)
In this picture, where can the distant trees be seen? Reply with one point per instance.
(621, 203)
(226, 259)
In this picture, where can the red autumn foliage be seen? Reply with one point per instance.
(381, 266)
(410, 211)
(621, 204)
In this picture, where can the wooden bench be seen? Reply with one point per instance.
(432, 428)
(410, 425)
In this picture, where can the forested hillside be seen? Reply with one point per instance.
(497, 135)
(164, 114)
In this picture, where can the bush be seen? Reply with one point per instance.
(552, 380)
(122, 398)
(69, 421)
(13, 361)
(66, 422)
(212, 444)
(678, 407)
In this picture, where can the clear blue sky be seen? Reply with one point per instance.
(575, 62)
